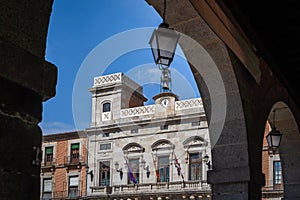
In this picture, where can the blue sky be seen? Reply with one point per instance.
(77, 29)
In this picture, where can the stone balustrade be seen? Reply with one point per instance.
(108, 79)
(150, 109)
(188, 104)
(154, 188)
(137, 111)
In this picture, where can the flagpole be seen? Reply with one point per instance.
(131, 176)
(177, 165)
(154, 164)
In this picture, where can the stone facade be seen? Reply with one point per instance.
(63, 166)
(146, 152)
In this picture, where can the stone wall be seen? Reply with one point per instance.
(26, 80)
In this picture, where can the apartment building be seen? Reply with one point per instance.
(63, 166)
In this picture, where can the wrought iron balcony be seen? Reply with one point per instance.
(73, 194)
(49, 162)
(73, 159)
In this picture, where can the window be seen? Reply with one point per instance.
(73, 190)
(47, 188)
(164, 127)
(134, 170)
(105, 135)
(197, 123)
(48, 155)
(277, 173)
(74, 153)
(104, 179)
(106, 107)
(134, 130)
(104, 147)
(195, 167)
(163, 169)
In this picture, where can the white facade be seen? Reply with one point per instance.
(147, 140)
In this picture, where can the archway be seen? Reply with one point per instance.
(289, 149)
(231, 174)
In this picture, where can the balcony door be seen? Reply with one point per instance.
(104, 173)
(74, 158)
(195, 167)
(164, 169)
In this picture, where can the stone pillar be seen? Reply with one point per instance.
(26, 80)
(290, 155)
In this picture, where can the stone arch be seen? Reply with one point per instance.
(162, 144)
(289, 149)
(133, 147)
(232, 171)
(194, 141)
(230, 155)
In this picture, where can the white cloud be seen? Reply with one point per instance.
(55, 127)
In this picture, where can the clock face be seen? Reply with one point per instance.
(165, 102)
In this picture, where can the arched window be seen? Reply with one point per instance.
(133, 163)
(195, 166)
(194, 156)
(106, 107)
(162, 159)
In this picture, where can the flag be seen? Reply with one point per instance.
(131, 176)
(156, 170)
(179, 170)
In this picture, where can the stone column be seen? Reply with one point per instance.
(26, 80)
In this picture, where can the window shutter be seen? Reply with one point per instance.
(49, 150)
(75, 146)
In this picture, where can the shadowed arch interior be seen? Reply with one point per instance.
(289, 150)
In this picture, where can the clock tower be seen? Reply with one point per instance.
(165, 103)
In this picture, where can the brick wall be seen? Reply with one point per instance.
(62, 169)
(266, 157)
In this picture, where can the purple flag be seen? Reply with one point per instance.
(131, 176)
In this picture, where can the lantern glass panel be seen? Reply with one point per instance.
(276, 140)
(269, 140)
(163, 44)
(167, 41)
(154, 47)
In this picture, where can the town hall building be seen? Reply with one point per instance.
(137, 151)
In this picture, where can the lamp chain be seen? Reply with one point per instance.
(164, 13)
(274, 111)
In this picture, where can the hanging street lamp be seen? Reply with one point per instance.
(274, 137)
(163, 43)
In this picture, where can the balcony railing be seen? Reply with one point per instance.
(152, 188)
(74, 194)
(59, 194)
(49, 162)
(73, 159)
